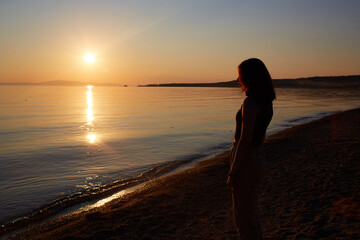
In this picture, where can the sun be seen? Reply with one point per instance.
(89, 58)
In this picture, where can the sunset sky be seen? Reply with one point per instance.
(140, 42)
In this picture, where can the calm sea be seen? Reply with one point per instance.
(58, 142)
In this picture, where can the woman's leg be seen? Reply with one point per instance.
(245, 198)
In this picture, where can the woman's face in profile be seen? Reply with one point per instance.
(241, 84)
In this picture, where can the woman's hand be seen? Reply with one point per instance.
(230, 182)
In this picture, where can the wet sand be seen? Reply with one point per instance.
(311, 191)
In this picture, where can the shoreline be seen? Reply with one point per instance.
(60, 206)
(75, 202)
(169, 201)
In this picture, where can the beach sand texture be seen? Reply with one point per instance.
(311, 191)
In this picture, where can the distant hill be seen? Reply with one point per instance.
(218, 84)
(311, 82)
(320, 82)
(64, 83)
(75, 83)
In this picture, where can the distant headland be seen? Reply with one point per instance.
(64, 83)
(310, 82)
(352, 81)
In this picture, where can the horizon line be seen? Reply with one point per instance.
(84, 83)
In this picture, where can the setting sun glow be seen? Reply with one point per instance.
(89, 58)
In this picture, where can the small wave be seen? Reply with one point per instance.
(309, 118)
(221, 146)
(300, 119)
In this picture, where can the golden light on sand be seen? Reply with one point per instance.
(89, 58)
(110, 198)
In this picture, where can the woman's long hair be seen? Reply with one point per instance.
(257, 80)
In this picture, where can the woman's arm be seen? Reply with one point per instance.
(249, 112)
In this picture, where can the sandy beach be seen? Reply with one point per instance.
(311, 191)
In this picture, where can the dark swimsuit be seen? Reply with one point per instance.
(263, 118)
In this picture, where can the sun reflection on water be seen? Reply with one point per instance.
(91, 138)
(90, 114)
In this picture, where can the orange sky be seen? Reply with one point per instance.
(175, 41)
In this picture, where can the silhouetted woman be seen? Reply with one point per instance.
(247, 161)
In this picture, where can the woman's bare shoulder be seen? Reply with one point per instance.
(250, 106)
(250, 102)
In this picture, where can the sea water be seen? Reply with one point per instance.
(63, 141)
